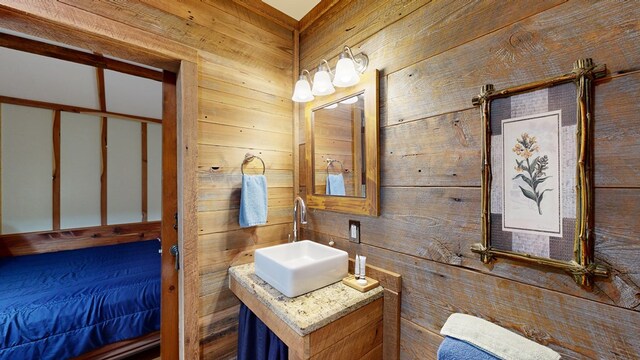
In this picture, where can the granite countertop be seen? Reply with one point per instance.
(309, 312)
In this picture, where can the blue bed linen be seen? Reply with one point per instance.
(61, 305)
(456, 349)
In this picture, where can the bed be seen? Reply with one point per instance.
(63, 304)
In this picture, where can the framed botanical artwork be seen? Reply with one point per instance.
(537, 172)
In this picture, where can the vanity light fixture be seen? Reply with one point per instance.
(302, 91)
(332, 106)
(322, 80)
(347, 73)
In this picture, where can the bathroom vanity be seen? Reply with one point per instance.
(333, 322)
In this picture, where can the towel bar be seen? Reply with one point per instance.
(248, 157)
(331, 161)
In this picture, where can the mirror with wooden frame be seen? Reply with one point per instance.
(342, 156)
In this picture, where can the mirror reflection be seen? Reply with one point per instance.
(339, 148)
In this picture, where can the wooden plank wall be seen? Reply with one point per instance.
(434, 56)
(333, 140)
(245, 64)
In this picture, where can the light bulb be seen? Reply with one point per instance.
(332, 106)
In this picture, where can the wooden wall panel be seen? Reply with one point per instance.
(437, 85)
(245, 79)
(245, 74)
(433, 59)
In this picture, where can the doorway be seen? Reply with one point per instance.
(179, 278)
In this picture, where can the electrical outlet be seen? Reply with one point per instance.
(354, 231)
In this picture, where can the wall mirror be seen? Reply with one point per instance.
(342, 131)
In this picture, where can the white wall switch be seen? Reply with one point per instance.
(354, 231)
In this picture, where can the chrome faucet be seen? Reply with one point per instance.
(302, 217)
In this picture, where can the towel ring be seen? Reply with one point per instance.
(331, 161)
(249, 158)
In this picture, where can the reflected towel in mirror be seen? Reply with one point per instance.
(335, 185)
(253, 201)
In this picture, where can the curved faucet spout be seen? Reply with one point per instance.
(303, 216)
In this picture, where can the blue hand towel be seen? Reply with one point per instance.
(335, 184)
(454, 349)
(253, 201)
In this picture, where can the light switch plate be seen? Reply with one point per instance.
(354, 231)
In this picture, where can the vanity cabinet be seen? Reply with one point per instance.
(334, 322)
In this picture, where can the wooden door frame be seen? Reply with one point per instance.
(62, 23)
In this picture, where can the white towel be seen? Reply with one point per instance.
(495, 339)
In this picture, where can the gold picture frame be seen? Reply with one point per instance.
(514, 225)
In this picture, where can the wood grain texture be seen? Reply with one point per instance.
(245, 18)
(66, 24)
(445, 230)
(216, 112)
(316, 13)
(515, 306)
(391, 322)
(355, 344)
(81, 57)
(80, 238)
(331, 334)
(351, 24)
(617, 128)
(277, 16)
(187, 104)
(438, 78)
(297, 155)
(353, 335)
(170, 307)
(418, 343)
(434, 60)
(75, 109)
(56, 171)
(214, 199)
(245, 73)
(231, 136)
(447, 156)
(104, 139)
(123, 349)
(144, 171)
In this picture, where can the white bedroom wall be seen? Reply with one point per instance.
(124, 174)
(133, 95)
(27, 168)
(154, 171)
(80, 168)
(33, 77)
(28, 76)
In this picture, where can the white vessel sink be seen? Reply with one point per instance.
(297, 268)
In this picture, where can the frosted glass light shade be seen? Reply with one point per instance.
(302, 91)
(351, 100)
(322, 84)
(346, 74)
